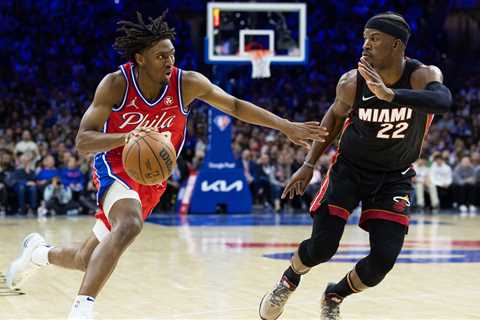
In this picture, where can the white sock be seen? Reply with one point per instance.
(40, 255)
(82, 308)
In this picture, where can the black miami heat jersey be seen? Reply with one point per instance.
(383, 136)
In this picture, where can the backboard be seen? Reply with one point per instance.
(234, 29)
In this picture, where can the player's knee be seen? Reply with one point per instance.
(373, 268)
(127, 229)
(383, 259)
(81, 260)
(319, 249)
(323, 252)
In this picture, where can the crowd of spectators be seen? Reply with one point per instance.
(51, 65)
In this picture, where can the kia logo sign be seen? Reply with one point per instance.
(222, 186)
(222, 122)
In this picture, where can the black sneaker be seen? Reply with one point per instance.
(330, 306)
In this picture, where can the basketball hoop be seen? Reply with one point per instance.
(260, 63)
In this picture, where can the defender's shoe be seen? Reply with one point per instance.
(271, 306)
(23, 267)
(330, 305)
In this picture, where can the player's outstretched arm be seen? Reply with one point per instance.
(198, 86)
(89, 138)
(333, 121)
(428, 93)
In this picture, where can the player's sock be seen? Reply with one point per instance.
(292, 277)
(82, 308)
(342, 288)
(351, 283)
(40, 255)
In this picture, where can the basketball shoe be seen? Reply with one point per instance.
(271, 306)
(23, 267)
(330, 304)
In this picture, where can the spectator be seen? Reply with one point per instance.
(5, 171)
(46, 172)
(477, 185)
(262, 180)
(298, 161)
(6, 180)
(464, 182)
(27, 145)
(58, 198)
(423, 183)
(298, 202)
(72, 177)
(23, 180)
(271, 186)
(441, 178)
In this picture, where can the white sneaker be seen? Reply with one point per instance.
(273, 302)
(23, 267)
(80, 315)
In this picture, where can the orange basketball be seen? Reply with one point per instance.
(149, 159)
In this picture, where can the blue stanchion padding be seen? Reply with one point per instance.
(220, 186)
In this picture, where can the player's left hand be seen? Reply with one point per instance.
(374, 81)
(302, 133)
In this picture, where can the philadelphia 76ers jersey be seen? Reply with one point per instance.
(167, 113)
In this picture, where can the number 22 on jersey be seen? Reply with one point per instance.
(392, 131)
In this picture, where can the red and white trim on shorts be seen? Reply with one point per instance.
(334, 210)
(384, 215)
(324, 187)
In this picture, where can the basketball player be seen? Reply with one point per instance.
(383, 110)
(148, 93)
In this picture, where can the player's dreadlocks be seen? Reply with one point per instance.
(139, 36)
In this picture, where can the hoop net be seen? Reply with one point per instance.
(260, 62)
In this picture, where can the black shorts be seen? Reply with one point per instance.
(383, 195)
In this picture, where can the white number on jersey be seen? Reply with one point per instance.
(386, 131)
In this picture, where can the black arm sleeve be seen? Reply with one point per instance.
(435, 98)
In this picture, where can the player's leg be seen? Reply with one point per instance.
(36, 253)
(386, 241)
(70, 257)
(330, 216)
(126, 219)
(118, 225)
(320, 247)
(385, 217)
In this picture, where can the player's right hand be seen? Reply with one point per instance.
(301, 133)
(298, 183)
(139, 132)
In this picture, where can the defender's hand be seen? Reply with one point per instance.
(298, 183)
(374, 81)
(300, 133)
(139, 132)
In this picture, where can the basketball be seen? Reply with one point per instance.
(149, 159)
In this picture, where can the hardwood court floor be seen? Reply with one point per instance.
(218, 267)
